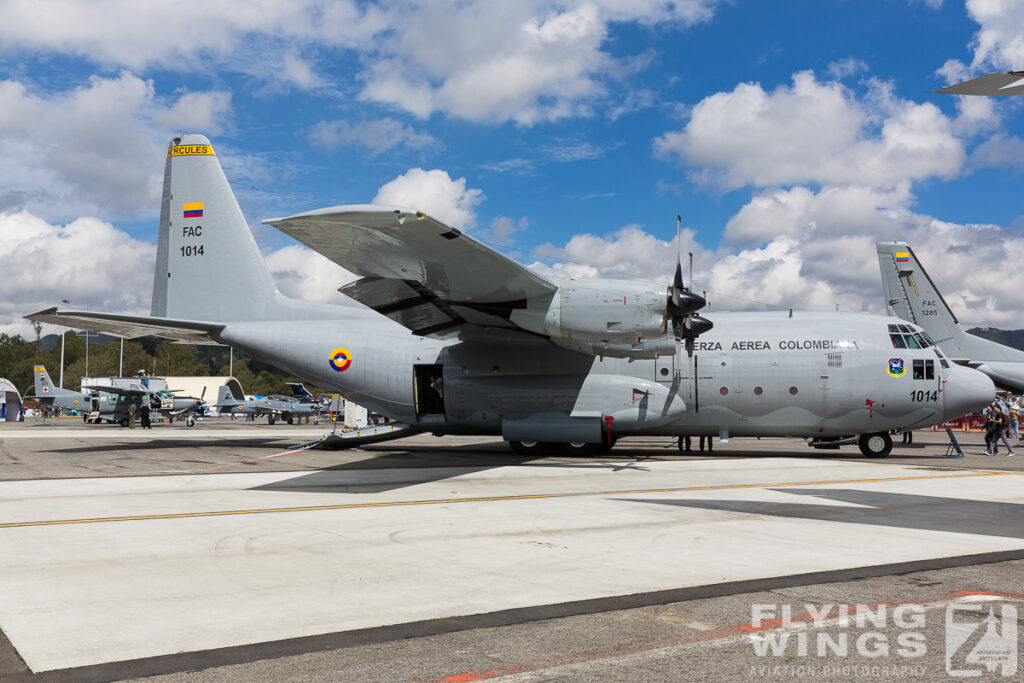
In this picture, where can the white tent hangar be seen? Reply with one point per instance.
(203, 387)
(10, 402)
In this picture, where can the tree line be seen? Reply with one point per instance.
(158, 357)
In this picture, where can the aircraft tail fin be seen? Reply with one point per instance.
(44, 386)
(208, 266)
(225, 399)
(912, 295)
(299, 389)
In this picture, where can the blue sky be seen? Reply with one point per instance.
(790, 136)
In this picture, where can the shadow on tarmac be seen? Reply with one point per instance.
(898, 510)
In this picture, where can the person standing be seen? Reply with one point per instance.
(1002, 426)
(132, 409)
(144, 415)
(990, 431)
(1014, 421)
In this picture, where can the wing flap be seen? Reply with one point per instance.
(131, 326)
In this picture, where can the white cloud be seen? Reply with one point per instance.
(999, 42)
(234, 34)
(1000, 150)
(301, 273)
(88, 261)
(813, 131)
(502, 229)
(520, 60)
(818, 251)
(628, 253)
(94, 149)
(378, 136)
(97, 266)
(849, 66)
(435, 193)
(812, 250)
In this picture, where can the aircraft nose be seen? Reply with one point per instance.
(966, 391)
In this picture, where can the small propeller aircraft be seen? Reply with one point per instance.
(104, 403)
(456, 338)
(285, 408)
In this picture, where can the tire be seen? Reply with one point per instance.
(529, 447)
(877, 445)
(579, 448)
(190, 422)
(290, 420)
(124, 421)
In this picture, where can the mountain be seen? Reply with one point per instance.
(52, 341)
(1014, 338)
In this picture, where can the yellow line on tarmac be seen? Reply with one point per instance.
(490, 499)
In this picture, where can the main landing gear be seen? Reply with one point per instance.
(577, 448)
(877, 445)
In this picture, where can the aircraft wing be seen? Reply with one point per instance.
(120, 391)
(995, 84)
(131, 326)
(416, 270)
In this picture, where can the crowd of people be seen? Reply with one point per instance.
(998, 425)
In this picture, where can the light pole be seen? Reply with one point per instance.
(120, 365)
(63, 301)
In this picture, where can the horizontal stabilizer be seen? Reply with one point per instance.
(994, 85)
(131, 326)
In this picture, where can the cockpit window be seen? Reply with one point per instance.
(903, 337)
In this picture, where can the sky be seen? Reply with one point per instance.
(790, 136)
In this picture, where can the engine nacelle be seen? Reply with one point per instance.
(604, 312)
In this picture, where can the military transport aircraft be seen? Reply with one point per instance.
(103, 403)
(910, 294)
(459, 339)
(286, 408)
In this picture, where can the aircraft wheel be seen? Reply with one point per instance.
(579, 448)
(877, 445)
(528, 447)
(191, 422)
(270, 420)
(124, 421)
(291, 420)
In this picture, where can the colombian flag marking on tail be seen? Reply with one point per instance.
(902, 256)
(194, 210)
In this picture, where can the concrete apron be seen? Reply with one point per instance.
(111, 569)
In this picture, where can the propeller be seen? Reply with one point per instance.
(683, 304)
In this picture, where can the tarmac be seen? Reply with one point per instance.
(227, 552)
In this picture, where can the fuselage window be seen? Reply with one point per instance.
(758, 390)
(897, 341)
(793, 390)
(924, 369)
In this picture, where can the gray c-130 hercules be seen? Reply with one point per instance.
(458, 339)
